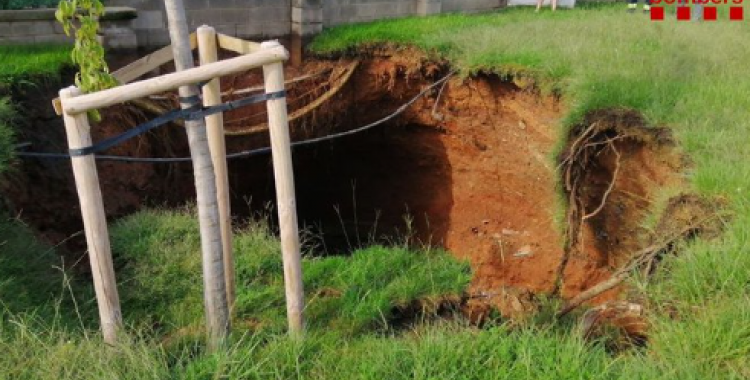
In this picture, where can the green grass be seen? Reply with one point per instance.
(24, 66)
(432, 352)
(689, 76)
(158, 258)
(27, 270)
(25, 4)
(161, 278)
(32, 62)
(7, 116)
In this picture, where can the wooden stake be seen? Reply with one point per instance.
(214, 283)
(215, 124)
(282, 164)
(94, 221)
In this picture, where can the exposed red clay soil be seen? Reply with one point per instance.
(476, 175)
(475, 171)
(471, 164)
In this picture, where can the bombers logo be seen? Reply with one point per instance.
(701, 9)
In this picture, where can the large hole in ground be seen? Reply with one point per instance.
(387, 185)
(468, 167)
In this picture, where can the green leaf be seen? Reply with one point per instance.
(87, 53)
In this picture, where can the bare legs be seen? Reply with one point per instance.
(539, 4)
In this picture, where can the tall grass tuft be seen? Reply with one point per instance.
(7, 115)
(158, 253)
(32, 62)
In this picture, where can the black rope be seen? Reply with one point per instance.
(254, 152)
(139, 130)
(239, 103)
(193, 113)
(190, 100)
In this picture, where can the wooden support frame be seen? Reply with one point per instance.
(208, 53)
(74, 105)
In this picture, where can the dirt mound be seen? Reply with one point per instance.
(619, 325)
(43, 193)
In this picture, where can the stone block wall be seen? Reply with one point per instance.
(253, 19)
(259, 19)
(26, 31)
(337, 12)
(471, 5)
(350, 11)
(249, 19)
(38, 26)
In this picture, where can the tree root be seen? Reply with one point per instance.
(335, 88)
(645, 256)
(611, 184)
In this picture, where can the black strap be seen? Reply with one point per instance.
(195, 113)
(139, 130)
(239, 103)
(255, 152)
(190, 100)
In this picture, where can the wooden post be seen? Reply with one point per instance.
(94, 221)
(215, 128)
(278, 123)
(214, 284)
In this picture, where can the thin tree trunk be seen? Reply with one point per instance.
(215, 297)
(208, 52)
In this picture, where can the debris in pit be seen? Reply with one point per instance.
(619, 325)
(524, 251)
(513, 303)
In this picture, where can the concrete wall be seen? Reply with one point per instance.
(242, 18)
(38, 26)
(560, 3)
(256, 19)
(21, 31)
(250, 19)
(471, 5)
(348, 11)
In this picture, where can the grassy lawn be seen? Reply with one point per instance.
(32, 62)
(27, 4)
(19, 66)
(21, 254)
(349, 299)
(689, 76)
(349, 295)
(7, 116)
